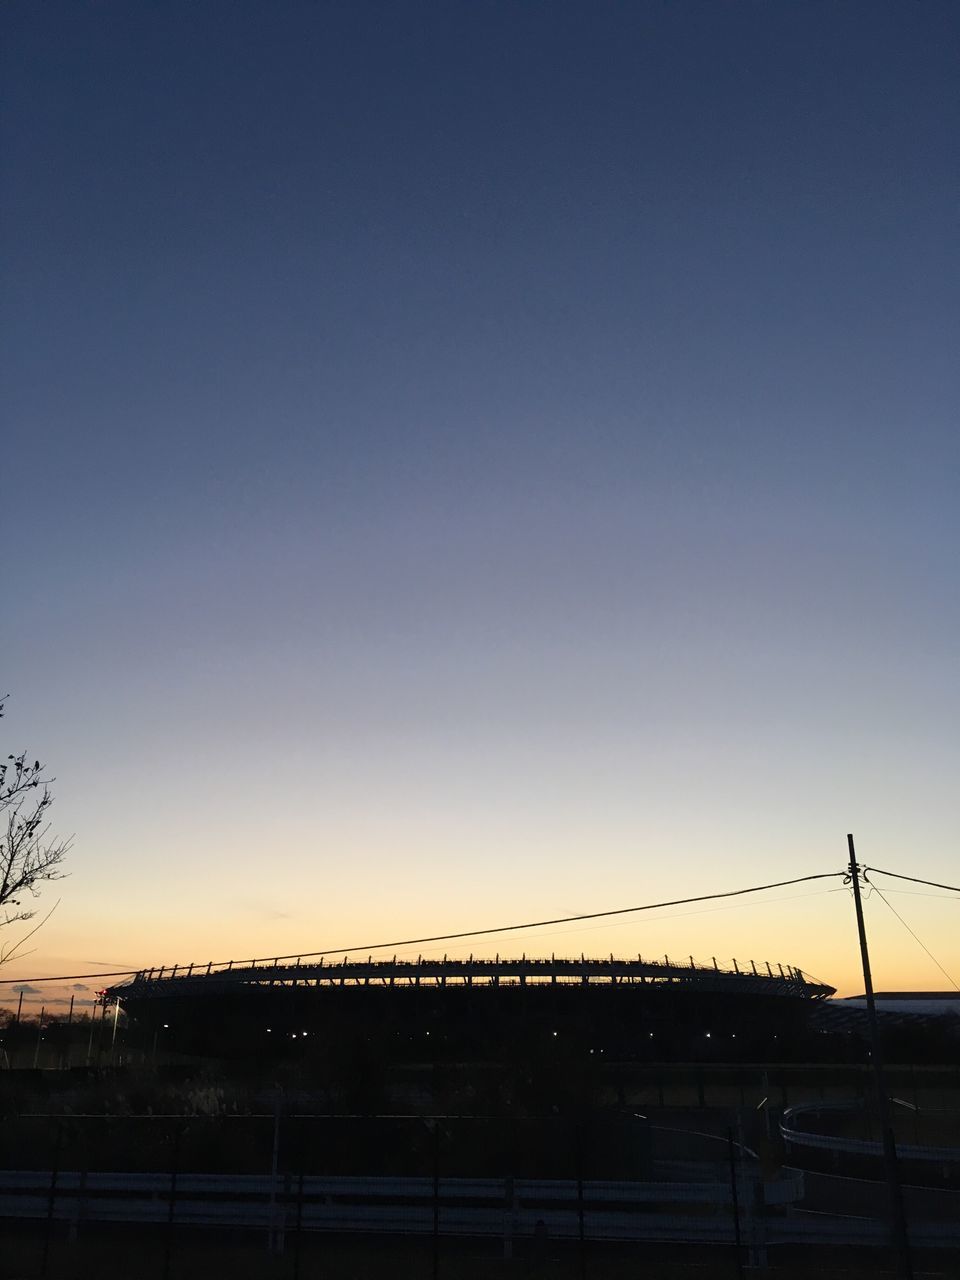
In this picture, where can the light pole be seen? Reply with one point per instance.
(113, 1037)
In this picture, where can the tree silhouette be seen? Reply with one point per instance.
(29, 855)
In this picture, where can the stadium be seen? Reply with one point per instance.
(476, 1009)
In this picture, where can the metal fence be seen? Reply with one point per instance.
(444, 1197)
(298, 1187)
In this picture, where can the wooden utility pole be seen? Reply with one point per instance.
(898, 1220)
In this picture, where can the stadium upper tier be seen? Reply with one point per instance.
(779, 980)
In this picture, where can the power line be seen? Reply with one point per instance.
(914, 879)
(467, 933)
(914, 936)
(915, 893)
(682, 915)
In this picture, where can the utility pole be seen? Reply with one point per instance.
(898, 1220)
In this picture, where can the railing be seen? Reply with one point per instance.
(562, 1209)
(470, 971)
(854, 1146)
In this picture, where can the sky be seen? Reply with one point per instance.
(473, 463)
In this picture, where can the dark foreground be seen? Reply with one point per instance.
(151, 1256)
(664, 1171)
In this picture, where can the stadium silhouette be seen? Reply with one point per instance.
(477, 1009)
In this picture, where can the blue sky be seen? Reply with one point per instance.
(468, 458)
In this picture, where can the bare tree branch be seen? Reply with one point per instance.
(29, 856)
(13, 951)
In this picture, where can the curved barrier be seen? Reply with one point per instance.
(793, 1136)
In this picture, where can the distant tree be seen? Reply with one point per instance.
(29, 855)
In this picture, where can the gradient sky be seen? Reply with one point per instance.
(467, 463)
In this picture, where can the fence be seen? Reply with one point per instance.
(501, 1190)
(444, 1197)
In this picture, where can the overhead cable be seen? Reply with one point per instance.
(466, 933)
(914, 879)
(915, 937)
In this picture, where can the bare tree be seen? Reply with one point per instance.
(29, 855)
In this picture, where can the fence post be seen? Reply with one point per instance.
(172, 1201)
(436, 1199)
(735, 1197)
(508, 1218)
(52, 1197)
(77, 1215)
(275, 1229)
(301, 1160)
(758, 1229)
(581, 1226)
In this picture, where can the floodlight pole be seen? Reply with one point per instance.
(113, 1037)
(898, 1221)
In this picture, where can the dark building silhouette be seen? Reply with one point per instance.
(479, 1010)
